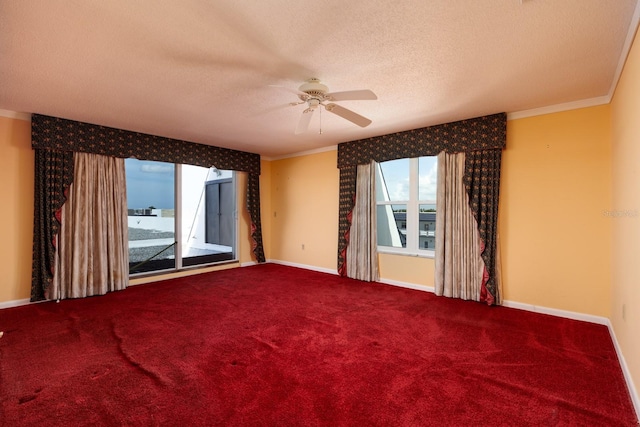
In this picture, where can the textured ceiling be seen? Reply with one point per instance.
(201, 70)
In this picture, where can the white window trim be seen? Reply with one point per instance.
(177, 224)
(412, 217)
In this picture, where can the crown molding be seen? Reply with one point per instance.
(15, 115)
(302, 153)
(591, 102)
(557, 108)
(626, 48)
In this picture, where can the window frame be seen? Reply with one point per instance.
(179, 264)
(178, 260)
(412, 216)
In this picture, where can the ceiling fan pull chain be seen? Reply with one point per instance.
(320, 121)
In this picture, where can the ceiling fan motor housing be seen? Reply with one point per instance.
(314, 89)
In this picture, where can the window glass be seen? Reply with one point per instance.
(208, 215)
(390, 219)
(406, 204)
(393, 181)
(151, 211)
(427, 187)
(427, 178)
(205, 215)
(427, 226)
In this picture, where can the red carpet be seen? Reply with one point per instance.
(277, 346)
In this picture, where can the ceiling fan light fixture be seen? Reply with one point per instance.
(313, 87)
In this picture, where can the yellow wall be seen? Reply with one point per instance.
(16, 215)
(555, 236)
(555, 189)
(625, 292)
(304, 210)
(407, 269)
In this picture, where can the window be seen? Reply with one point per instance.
(200, 203)
(406, 205)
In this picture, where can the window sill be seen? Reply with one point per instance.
(186, 269)
(393, 251)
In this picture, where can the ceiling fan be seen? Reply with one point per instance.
(314, 94)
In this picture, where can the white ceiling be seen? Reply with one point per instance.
(201, 70)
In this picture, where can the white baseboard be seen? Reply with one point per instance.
(556, 312)
(248, 264)
(304, 266)
(635, 398)
(14, 303)
(407, 285)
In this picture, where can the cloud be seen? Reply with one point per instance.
(428, 184)
(400, 190)
(396, 178)
(156, 168)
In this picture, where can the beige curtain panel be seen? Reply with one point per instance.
(362, 250)
(459, 265)
(92, 256)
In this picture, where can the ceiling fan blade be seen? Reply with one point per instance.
(348, 115)
(352, 95)
(305, 119)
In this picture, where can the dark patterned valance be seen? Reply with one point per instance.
(482, 133)
(55, 140)
(484, 137)
(53, 133)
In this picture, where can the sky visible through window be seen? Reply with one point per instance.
(149, 184)
(396, 176)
